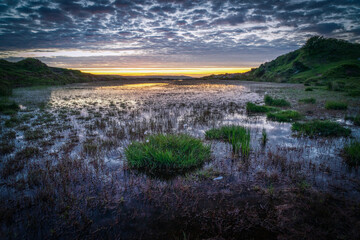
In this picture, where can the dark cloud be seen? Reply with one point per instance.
(323, 28)
(179, 29)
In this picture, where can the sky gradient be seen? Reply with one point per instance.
(171, 34)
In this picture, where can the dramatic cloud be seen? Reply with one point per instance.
(176, 33)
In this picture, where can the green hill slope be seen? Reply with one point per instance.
(321, 61)
(31, 72)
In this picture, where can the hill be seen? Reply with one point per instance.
(31, 72)
(321, 61)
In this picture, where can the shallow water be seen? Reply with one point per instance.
(84, 129)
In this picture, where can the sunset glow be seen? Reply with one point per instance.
(193, 72)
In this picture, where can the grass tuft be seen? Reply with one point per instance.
(354, 119)
(284, 116)
(333, 105)
(321, 128)
(237, 136)
(8, 107)
(167, 154)
(276, 102)
(308, 100)
(352, 153)
(309, 89)
(253, 108)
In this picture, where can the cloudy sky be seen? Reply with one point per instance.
(168, 34)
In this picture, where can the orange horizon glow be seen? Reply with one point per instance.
(192, 72)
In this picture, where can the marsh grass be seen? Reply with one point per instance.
(237, 136)
(8, 107)
(354, 119)
(264, 137)
(321, 128)
(34, 134)
(307, 100)
(276, 102)
(253, 108)
(352, 153)
(284, 116)
(333, 105)
(167, 154)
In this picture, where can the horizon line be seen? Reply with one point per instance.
(158, 71)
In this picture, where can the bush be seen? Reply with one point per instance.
(309, 89)
(237, 136)
(167, 154)
(352, 153)
(284, 116)
(308, 100)
(276, 102)
(253, 108)
(321, 128)
(333, 105)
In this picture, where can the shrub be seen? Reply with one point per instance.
(284, 116)
(309, 89)
(352, 153)
(167, 154)
(253, 108)
(333, 105)
(308, 100)
(321, 128)
(237, 136)
(277, 102)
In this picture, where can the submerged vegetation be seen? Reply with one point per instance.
(285, 116)
(237, 136)
(321, 128)
(167, 154)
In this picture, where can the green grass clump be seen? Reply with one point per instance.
(253, 108)
(284, 116)
(352, 153)
(308, 100)
(167, 154)
(355, 119)
(354, 93)
(277, 102)
(309, 89)
(8, 107)
(333, 105)
(237, 136)
(321, 128)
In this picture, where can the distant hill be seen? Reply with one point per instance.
(31, 72)
(319, 62)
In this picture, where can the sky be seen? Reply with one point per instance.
(170, 37)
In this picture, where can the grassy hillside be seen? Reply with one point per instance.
(31, 72)
(328, 62)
